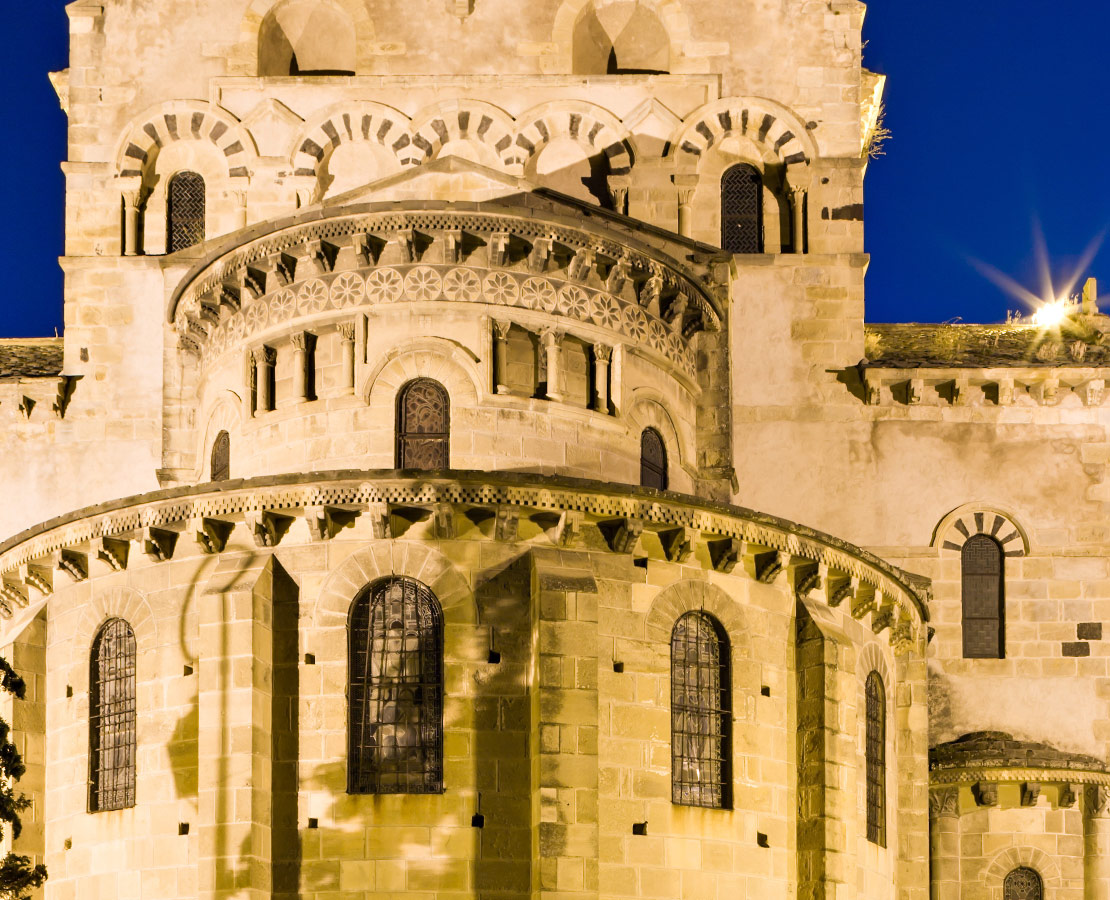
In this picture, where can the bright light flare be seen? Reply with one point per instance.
(1052, 314)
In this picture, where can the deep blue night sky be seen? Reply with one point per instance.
(999, 122)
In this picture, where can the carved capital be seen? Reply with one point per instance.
(603, 353)
(501, 328)
(347, 331)
(299, 340)
(944, 802)
(1098, 801)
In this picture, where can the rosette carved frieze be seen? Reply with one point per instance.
(337, 266)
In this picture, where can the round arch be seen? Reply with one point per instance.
(463, 120)
(994, 874)
(224, 414)
(244, 58)
(779, 133)
(346, 123)
(670, 13)
(114, 603)
(956, 528)
(184, 120)
(440, 359)
(648, 410)
(691, 595)
(593, 128)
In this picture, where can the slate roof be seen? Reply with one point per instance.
(996, 749)
(30, 357)
(915, 346)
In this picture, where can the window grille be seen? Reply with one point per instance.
(1023, 884)
(423, 425)
(395, 728)
(221, 457)
(875, 745)
(742, 210)
(982, 598)
(112, 718)
(185, 211)
(653, 460)
(700, 713)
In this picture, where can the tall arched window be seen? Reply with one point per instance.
(875, 747)
(423, 425)
(112, 717)
(653, 460)
(983, 621)
(1023, 884)
(700, 713)
(221, 457)
(184, 211)
(395, 677)
(742, 210)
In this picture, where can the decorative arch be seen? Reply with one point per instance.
(954, 530)
(244, 59)
(462, 120)
(436, 358)
(595, 130)
(117, 603)
(1005, 861)
(670, 13)
(344, 123)
(648, 410)
(689, 595)
(779, 133)
(225, 414)
(184, 120)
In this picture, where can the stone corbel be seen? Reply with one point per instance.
(1045, 392)
(444, 520)
(252, 283)
(622, 535)
(499, 248)
(210, 534)
(865, 599)
(111, 551)
(677, 543)
(229, 297)
(961, 391)
(38, 577)
(281, 269)
(312, 261)
(1092, 392)
(508, 522)
(460, 8)
(267, 528)
(405, 242)
(839, 587)
(581, 264)
(452, 246)
(1066, 796)
(324, 522)
(1005, 391)
(12, 596)
(1098, 801)
(1030, 793)
(985, 793)
(618, 192)
(807, 578)
(158, 543)
(915, 390)
(617, 278)
(567, 529)
(883, 616)
(380, 523)
(725, 553)
(74, 564)
(873, 387)
(767, 564)
(651, 294)
(901, 636)
(361, 245)
(542, 251)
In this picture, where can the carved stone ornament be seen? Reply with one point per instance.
(986, 793)
(944, 802)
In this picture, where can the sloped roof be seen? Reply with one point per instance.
(30, 357)
(997, 749)
(913, 346)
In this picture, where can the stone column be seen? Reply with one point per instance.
(1096, 844)
(300, 365)
(347, 352)
(552, 342)
(265, 359)
(240, 198)
(798, 208)
(603, 353)
(132, 210)
(686, 184)
(944, 843)
(501, 356)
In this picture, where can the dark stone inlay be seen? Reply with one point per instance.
(691, 149)
(541, 127)
(423, 143)
(594, 132)
(440, 128)
(575, 124)
(366, 120)
(329, 129)
(313, 149)
(152, 133)
(196, 123)
(704, 131)
(502, 145)
(464, 121)
(171, 124)
(1075, 648)
(765, 126)
(725, 118)
(218, 131)
(1089, 631)
(232, 149)
(787, 137)
(483, 126)
(401, 142)
(383, 130)
(135, 152)
(795, 158)
(526, 144)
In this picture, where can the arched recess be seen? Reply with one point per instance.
(690, 595)
(112, 603)
(954, 530)
(455, 123)
(380, 131)
(245, 59)
(306, 37)
(647, 410)
(669, 14)
(622, 38)
(436, 358)
(994, 874)
(872, 659)
(185, 120)
(225, 414)
(768, 124)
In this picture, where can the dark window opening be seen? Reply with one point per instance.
(653, 460)
(423, 426)
(221, 457)
(742, 210)
(185, 211)
(395, 658)
(112, 718)
(875, 747)
(982, 598)
(1023, 884)
(700, 713)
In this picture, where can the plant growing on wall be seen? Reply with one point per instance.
(17, 875)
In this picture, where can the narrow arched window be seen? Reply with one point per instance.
(395, 678)
(185, 211)
(742, 210)
(653, 460)
(423, 425)
(983, 620)
(112, 717)
(700, 713)
(221, 457)
(1023, 884)
(875, 746)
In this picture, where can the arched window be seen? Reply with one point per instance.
(742, 210)
(185, 211)
(306, 37)
(653, 460)
(221, 457)
(112, 717)
(395, 659)
(1023, 884)
(983, 625)
(423, 426)
(700, 713)
(875, 747)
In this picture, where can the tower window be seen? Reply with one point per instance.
(875, 748)
(185, 211)
(700, 713)
(1023, 884)
(981, 571)
(742, 210)
(221, 457)
(653, 460)
(395, 659)
(306, 37)
(112, 718)
(423, 426)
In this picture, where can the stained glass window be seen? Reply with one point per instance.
(653, 460)
(423, 425)
(875, 744)
(742, 210)
(112, 717)
(185, 211)
(700, 713)
(221, 457)
(981, 563)
(395, 658)
(1023, 884)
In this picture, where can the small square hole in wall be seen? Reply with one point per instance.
(765, 691)
(640, 561)
(313, 823)
(494, 657)
(68, 843)
(69, 690)
(84, 354)
(761, 839)
(188, 671)
(310, 659)
(618, 667)
(182, 827)
(478, 820)
(639, 828)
